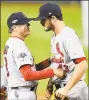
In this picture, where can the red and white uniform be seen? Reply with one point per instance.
(21, 71)
(16, 54)
(66, 50)
(66, 47)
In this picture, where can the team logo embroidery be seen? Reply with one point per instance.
(50, 13)
(14, 21)
(59, 57)
(22, 55)
(58, 50)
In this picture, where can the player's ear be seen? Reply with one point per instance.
(10, 29)
(13, 26)
(53, 19)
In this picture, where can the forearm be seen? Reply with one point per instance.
(43, 64)
(30, 75)
(77, 75)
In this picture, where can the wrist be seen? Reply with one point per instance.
(54, 71)
(67, 87)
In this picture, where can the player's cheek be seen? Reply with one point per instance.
(25, 29)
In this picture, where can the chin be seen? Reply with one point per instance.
(26, 35)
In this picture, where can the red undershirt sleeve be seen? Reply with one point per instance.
(30, 75)
(78, 60)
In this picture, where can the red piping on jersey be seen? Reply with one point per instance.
(30, 75)
(78, 60)
(17, 37)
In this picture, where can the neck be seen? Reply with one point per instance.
(59, 27)
(13, 34)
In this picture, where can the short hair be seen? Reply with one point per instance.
(10, 29)
(59, 17)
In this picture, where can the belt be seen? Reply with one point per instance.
(21, 87)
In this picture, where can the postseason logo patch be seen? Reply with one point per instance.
(22, 55)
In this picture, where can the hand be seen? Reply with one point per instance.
(47, 95)
(62, 93)
(59, 73)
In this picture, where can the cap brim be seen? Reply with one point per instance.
(30, 19)
(27, 20)
(39, 18)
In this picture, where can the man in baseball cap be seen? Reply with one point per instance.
(17, 18)
(63, 44)
(47, 12)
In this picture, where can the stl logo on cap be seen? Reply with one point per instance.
(50, 13)
(14, 21)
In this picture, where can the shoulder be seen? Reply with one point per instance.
(17, 43)
(70, 34)
(13, 42)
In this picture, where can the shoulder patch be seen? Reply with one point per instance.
(22, 55)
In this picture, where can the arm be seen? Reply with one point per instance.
(79, 71)
(29, 75)
(74, 49)
(43, 64)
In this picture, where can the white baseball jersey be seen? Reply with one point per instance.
(17, 54)
(65, 47)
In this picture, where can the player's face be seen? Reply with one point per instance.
(24, 30)
(46, 23)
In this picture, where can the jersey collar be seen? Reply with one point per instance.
(16, 37)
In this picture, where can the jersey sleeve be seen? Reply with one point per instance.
(22, 56)
(73, 47)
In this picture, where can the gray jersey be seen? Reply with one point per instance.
(65, 47)
(17, 54)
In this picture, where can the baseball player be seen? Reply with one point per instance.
(20, 66)
(67, 52)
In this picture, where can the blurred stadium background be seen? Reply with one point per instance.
(39, 41)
